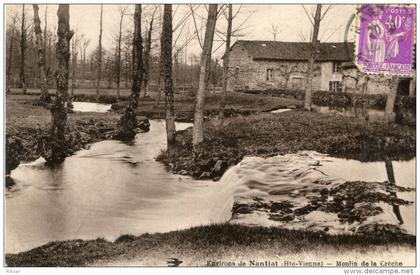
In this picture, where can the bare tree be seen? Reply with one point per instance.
(226, 64)
(147, 53)
(55, 149)
(198, 129)
(128, 121)
(41, 56)
(50, 41)
(122, 10)
(23, 47)
(166, 54)
(314, 46)
(390, 99)
(9, 60)
(85, 45)
(99, 60)
(74, 51)
(45, 30)
(159, 85)
(274, 31)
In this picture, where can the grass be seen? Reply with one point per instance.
(236, 104)
(259, 133)
(290, 132)
(197, 245)
(27, 121)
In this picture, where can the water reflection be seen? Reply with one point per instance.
(91, 107)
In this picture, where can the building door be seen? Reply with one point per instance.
(403, 86)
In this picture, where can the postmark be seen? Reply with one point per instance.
(385, 39)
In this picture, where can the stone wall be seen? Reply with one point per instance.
(246, 73)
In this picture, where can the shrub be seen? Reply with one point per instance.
(343, 100)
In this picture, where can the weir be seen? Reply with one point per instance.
(114, 188)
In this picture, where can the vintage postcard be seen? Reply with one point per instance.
(210, 135)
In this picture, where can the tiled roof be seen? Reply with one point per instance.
(297, 51)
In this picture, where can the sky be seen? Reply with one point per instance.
(256, 23)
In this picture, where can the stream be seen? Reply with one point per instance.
(115, 188)
(79, 106)
(110, 189)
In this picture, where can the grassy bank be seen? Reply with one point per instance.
(27, 122)
(258, 134)
(198, 245)
(237, 104)
(288, 132)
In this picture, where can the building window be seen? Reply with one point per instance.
(335, 86)
(270, 75)
(336, 67)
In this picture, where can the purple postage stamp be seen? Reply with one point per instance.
(386, 39)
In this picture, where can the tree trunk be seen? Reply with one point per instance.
(147, 55)
(198, 130)
(41, 56)
(128, 122)
(391, 179)
(314, 45)
(84, 65)
(9, 61)
(159, 91)
(127, 65)
(55, 149)
(45, 32)
(108, 72)
(390, 100)
(22, 52)
(99, 61)
(119, 56)
(226, 65)
(49, 56)
(166, 54)
(74, 65)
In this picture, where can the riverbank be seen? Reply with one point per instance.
(258, 135)
(27, 122)
(237, 104)
(226, 242)
(284, 133)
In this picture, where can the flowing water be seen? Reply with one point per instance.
(296, 177)
(278, 111)
(115, 188)
(90, 107)
(108, 190)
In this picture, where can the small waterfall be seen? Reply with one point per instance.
(115, 188)
(297, 179)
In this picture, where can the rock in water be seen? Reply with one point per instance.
(282, 218)
(9, 181)
(143, 124)
(129, 125)
(218, 168)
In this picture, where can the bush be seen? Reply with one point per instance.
(322, 98)
(344, 100)
(406, 103)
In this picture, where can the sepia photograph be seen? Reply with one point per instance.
(210, 135)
